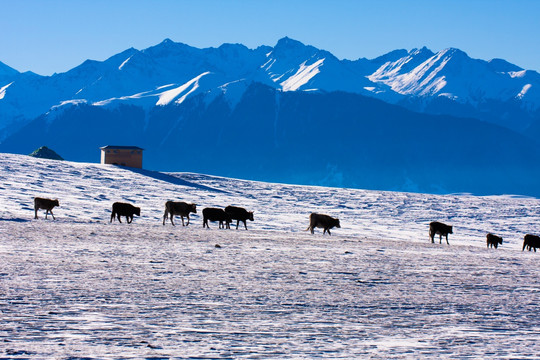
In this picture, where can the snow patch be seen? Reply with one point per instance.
(518, 74)
(524, 91)
(145, 99)
(124, 98)
(302, 76)
(267, 65)
(448, 95)
(3, 90)
(69, 102)
(124, 63)
(165, 86)
(168, 96)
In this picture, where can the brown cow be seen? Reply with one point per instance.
(531, 242)
(493, 240)
(216, 214)
(124, 209)
(47, 204)
(239, 214)
(322, 221)
(178, 208)
(436, 227)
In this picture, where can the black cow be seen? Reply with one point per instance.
(239, 214)
(215, 214)
(531, 242)
(124, 209)
(436, 227)
(178, 208)
(47, 204)
(322, 221)
(493, 240)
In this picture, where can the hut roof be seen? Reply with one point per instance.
(106, 147)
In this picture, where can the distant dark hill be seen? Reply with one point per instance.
(336, 139)
(46, 153)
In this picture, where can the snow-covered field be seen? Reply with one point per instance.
(82, 287)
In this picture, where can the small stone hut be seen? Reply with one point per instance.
(130, 156)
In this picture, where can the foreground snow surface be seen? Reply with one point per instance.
(80, 286)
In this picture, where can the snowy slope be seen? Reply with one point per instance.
(87, 191)
(82, 287)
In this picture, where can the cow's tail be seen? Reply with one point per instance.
(165, 215)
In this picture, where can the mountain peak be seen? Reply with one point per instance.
(424, 51)
(287, 43)
(168, 48)
(391, 56)
(290, 48)
(454, 52)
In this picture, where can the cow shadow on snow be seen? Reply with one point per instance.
(14, 219)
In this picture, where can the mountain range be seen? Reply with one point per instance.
(408, 120)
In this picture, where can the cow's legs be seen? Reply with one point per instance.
(52, 215)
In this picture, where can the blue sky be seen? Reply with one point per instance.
(55, 36)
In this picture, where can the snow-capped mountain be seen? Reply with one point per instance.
(451, 73)
(171, 72)
(483, 86)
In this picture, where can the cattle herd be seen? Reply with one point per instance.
(225, 216)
